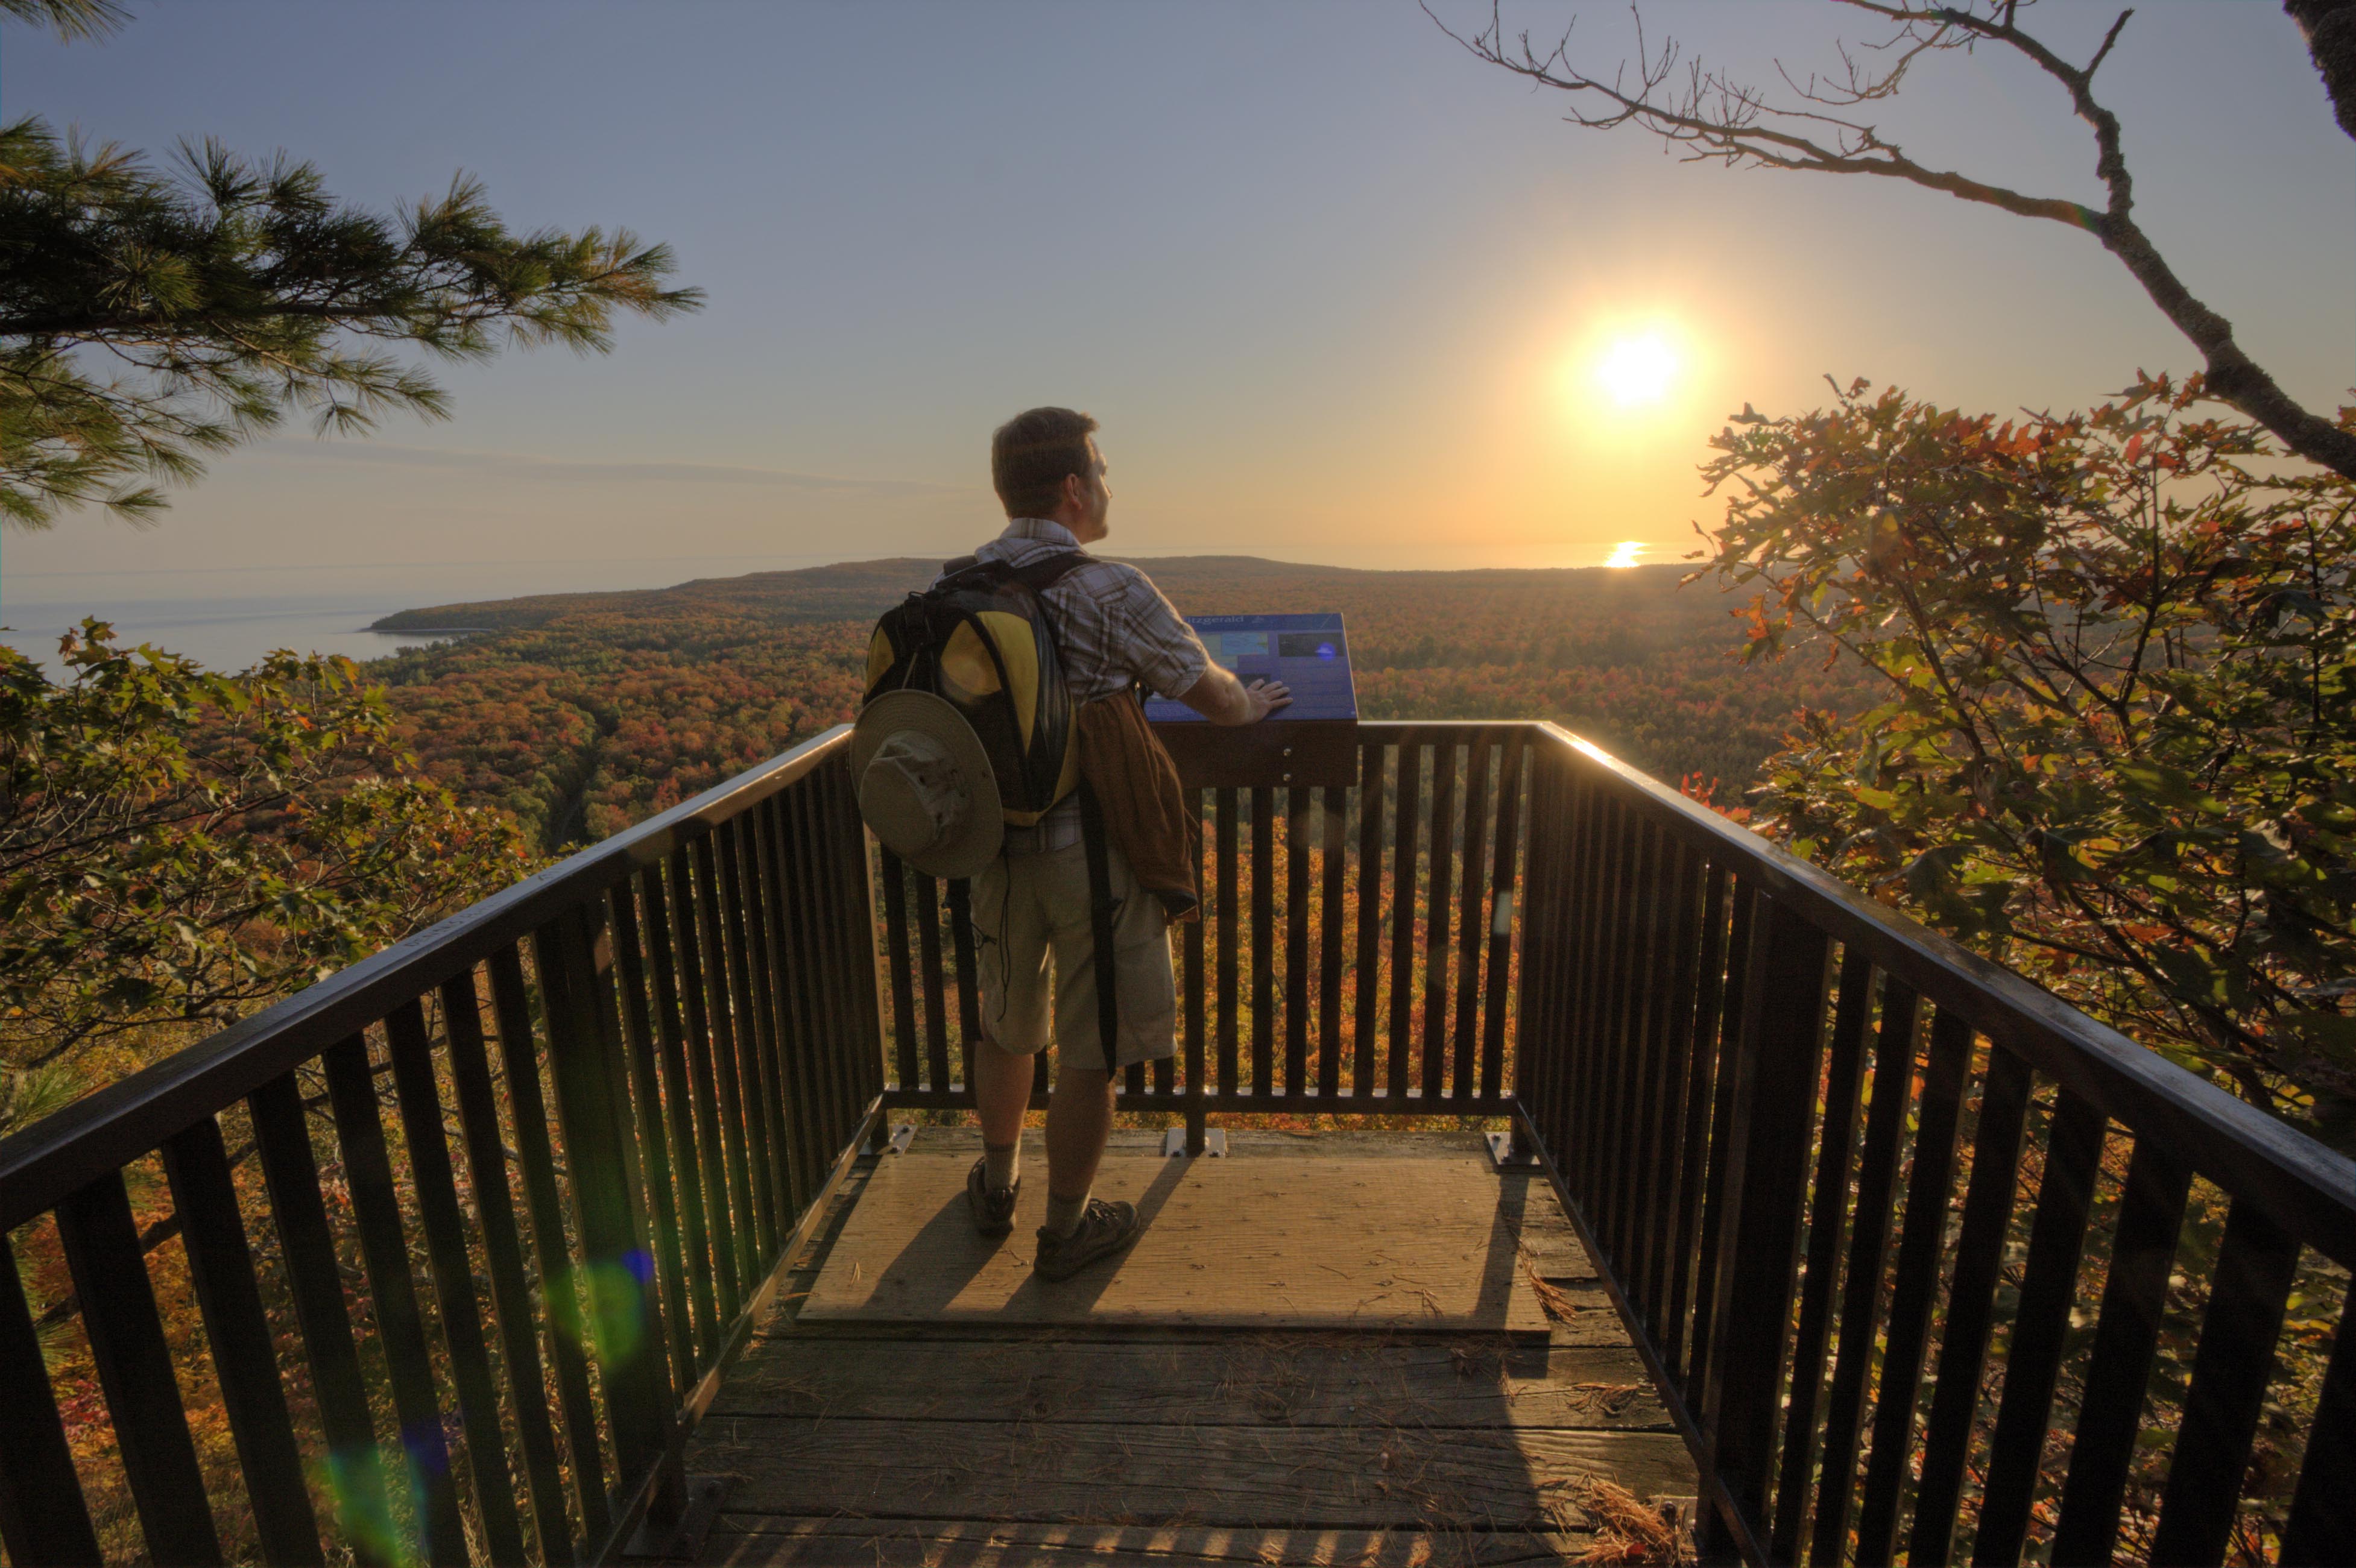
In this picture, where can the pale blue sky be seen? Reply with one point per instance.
(1328, 281)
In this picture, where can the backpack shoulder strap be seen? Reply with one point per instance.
(1042, 575)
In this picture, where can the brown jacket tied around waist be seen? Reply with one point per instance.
(1144, 806)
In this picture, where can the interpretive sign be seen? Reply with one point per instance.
(1312, 742)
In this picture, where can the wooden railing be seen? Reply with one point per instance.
(1801, 1134)
(1355, 954)
(687, 1053)
(1910, 1245)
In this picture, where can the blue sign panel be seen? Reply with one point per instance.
(1306, 653)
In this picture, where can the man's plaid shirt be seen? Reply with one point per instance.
(1114, 629)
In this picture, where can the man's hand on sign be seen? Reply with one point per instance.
(1223, 699)
(1266, 697)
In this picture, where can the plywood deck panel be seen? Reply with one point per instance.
(1248, 1241)
(1222, 1380)
(754, 1539)
(1132, 1428)
(1266, 1478)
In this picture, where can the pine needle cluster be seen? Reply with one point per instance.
(149, 318)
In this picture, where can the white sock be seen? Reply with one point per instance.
(1064, 1214)
(1001, 1166)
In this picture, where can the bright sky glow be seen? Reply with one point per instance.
(1626, 552)
(1638, 370)
(1330, 280)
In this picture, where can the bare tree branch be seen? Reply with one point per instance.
(1710, 116)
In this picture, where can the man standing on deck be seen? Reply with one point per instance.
(1114, 630)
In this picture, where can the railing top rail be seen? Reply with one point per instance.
(2307, 1187)
(107, 1130)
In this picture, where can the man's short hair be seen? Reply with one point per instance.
(1031, 454)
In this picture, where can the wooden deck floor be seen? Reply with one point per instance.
(1205, 1401)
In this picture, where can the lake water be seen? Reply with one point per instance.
(227, 632)
(230, 618)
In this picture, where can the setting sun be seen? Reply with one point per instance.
(1637, 369)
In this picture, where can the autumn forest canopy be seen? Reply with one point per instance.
(579, 714)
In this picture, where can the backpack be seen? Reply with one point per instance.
(981, 638)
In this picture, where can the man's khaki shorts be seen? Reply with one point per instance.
(1026, 907)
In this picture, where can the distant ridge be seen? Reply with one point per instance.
(860, 590)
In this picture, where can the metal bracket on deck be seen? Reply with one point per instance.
(902, 1137)
(680, 1541)
(1502, 1155)
(1214, 1143)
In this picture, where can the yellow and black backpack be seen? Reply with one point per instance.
(981, 638)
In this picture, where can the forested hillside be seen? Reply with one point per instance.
(582, 713)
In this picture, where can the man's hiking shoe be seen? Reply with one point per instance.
(993, 1212)
(1105, 1228)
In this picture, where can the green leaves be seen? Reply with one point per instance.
(148, 319)
(178, 845)
(2117, 747)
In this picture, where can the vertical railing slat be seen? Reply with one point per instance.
(852, 927)
(799, 1015)
(1408, 822)
(711, 1046)
(2322, 1524)
(819, 905)
(282, 1137)
(1930, 1181)
(1263, 938)
(237, 1331)
(1437, 884)
(1876, 1178)
(1702, 1340)
(1228, 1026)
(735, 1036)
(43, 1517)
(1537, 1056)
(584, 1061)
(697, 1168)
(444, 1224)
(1333, 820)
(1468, 917)
(1635, 1004)
(1366, 982)
(1196, 1088)
(392, 1291)
(479, 1123)
(399, 1322)
(743, 883)
(560, 1290)
(1504, 898)
(1587, 938)
(2247, 1293)
(101, 1240)
(2032, 1363)
(1298, 964)
(1827, 1220)
(755, 1049)
(1971, 1303)
(904, 995)
(1693, 1135)
(969, 973)
(653, 1133)
(1774, 1104)
(1673, 1050)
